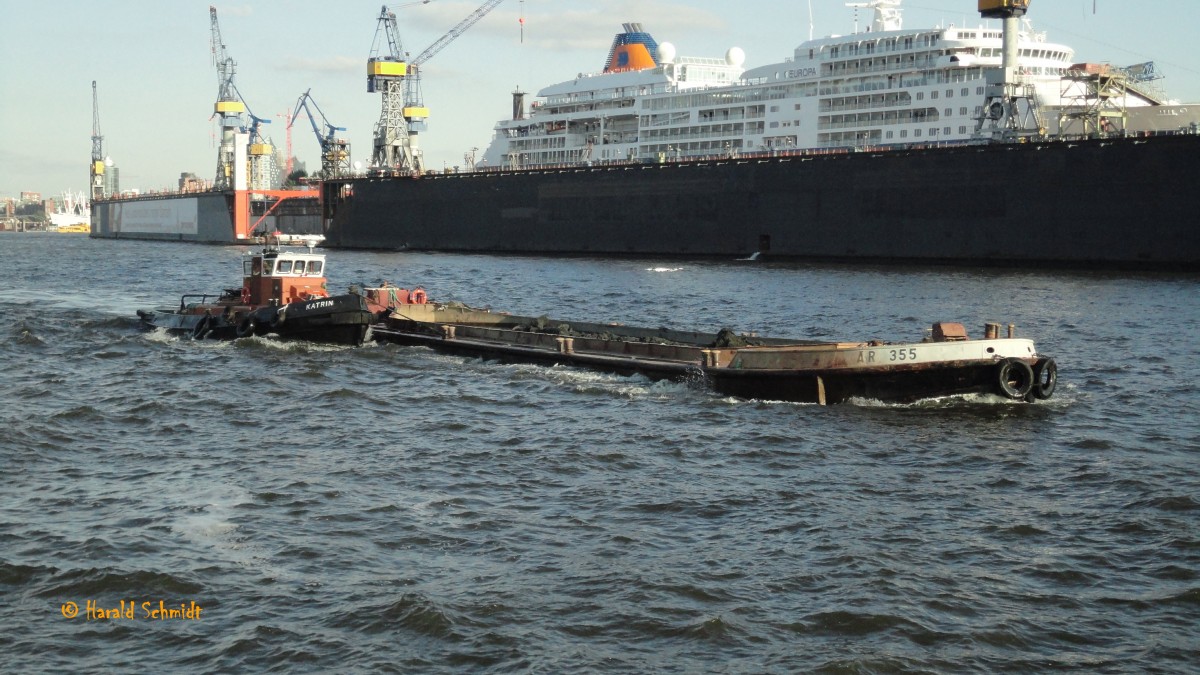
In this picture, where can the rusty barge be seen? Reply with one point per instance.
(945, 363)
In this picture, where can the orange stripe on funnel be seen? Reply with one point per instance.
(630, 57)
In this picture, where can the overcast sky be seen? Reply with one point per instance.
(157, 83)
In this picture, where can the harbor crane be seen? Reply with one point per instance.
(1011, 110)
(231, 108)
(335, 152)
(403, 114)
(98, 191)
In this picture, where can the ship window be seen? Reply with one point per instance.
(247, 268)
(904, 133)
(962, 130)
(299, 268)
(285, 267)
(268, 268)
(964, 92)
(916, 133)
(314, 266)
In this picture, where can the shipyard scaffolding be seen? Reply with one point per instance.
(1096, 97)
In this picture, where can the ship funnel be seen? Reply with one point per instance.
(633, 49)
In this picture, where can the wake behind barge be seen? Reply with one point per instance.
(1105, 203)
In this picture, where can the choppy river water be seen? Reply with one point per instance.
(390, 509)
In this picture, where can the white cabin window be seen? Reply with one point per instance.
(285, 267)
(314, 266)
(298, 270)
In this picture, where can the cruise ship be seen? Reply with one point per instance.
(981, 145)
(883, 86)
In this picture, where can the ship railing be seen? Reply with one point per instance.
(196, 299)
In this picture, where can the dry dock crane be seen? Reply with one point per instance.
(335, 152)
(403, 115)
(98, 191)
(230, 107)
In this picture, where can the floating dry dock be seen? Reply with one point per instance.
(946, 362)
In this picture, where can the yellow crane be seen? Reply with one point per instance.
(398, 79)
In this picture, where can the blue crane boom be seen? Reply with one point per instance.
(335, 152)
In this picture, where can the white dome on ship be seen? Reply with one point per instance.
(735, 56)
(666, 52)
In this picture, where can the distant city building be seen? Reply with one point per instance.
(112, 179)
(190, 182)
(31, 197)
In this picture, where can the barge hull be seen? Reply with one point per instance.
(1113, 203)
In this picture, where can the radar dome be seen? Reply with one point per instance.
(735, 56)
(666, 52)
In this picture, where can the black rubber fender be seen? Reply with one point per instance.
(202, 328)
(1045, 378)
(1014, 378)
(247, 327)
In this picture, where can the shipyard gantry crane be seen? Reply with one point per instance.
(385, 74)
(98, 191)
(1011, 109)
(403, 116)
(228, 108)
(335, 152)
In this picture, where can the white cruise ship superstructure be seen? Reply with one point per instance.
(886, 85)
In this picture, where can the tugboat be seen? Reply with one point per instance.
(282, 292)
